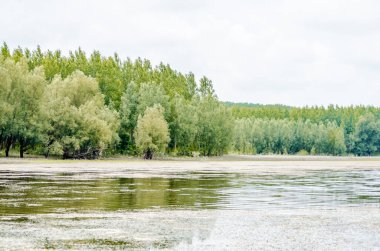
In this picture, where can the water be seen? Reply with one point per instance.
(28, 193)
(179, 210)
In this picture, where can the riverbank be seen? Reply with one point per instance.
(134, 167)
(228, 157)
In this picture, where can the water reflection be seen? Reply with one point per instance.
(19, 195)
(22, 193)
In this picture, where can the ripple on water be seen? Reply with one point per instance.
(319, 189)
(95, 209)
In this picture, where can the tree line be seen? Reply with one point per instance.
(80, 106)
(358, 126)
(84, 107)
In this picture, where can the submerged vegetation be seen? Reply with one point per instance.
(80, 106)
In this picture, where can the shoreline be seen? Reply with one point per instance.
(224, 158)
(134, 167)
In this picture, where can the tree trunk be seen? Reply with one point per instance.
(46, 154)
(21, 148)
(148, 154)
(65, 154)
(7, 150)
(8, 146)
(209, 153)
(151, 155)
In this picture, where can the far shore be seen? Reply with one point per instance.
(179, 167)
(228, 157)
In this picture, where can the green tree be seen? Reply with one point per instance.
(128, 118)
(81, 126)
(152, 132)
(214, 127)
(22, 116)
(367, 135)
(283, 136)
(206, 88)
(150, 94)
(242, 136)
(183, 129)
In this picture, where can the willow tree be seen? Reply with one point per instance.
(135, 100)
(151, 94)
(214, 126)
(21, 119)
(283, 136)
(183, 129)
(367, 135)
(81, 126)
(152, 132)
(128, 118)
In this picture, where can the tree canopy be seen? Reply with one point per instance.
(152, 132)
(80, 126)
(86, 106)
(22, 114)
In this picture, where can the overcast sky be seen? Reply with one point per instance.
(298, 52)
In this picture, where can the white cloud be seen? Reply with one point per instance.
(290, 52)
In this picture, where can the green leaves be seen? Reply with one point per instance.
(367, 135)
(286, 136)
(79, 107)
(152, 132)
(214, 126)
(81, 126)
(22, 117)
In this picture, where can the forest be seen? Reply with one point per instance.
(89, 106)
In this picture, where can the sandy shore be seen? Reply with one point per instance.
(143, 168)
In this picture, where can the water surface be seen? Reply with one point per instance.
(28, 193)
(84, 209)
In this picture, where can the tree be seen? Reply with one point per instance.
(151, 94)
(183, 129)
(5, 53)
(128, 118)
(335, 140)
(242, 136)
(206, 89)
(214, 127)
(134, 102)
(22, 118)
(152, 132)
(367, 135)
(81, 126)
(283, 136)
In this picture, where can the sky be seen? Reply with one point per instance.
(295, 52)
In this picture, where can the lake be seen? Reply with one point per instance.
(138, 205)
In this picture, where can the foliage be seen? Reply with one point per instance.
(344, 117)
(22, 115)
(367, 135)
(79, 106)
(80, 125)
(287, 137)
(214, 127)
(128, 118)
(112, 74)
(152, 132)
(184, 126)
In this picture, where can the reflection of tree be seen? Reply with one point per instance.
(173, 192)
(201, 192)
(63, 193)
